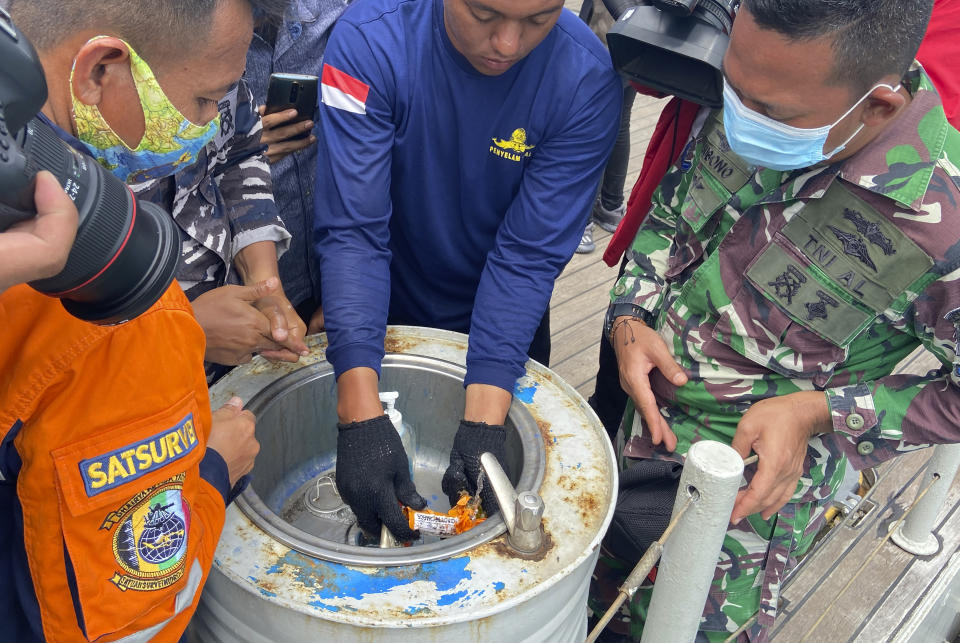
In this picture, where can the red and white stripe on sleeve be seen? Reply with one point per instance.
(341, 90)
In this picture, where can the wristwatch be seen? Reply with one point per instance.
(625, 309)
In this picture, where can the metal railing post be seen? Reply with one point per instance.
(711, 474)
(915, 533)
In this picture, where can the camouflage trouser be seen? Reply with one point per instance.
(752, 561)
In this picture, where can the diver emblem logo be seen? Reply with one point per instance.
(854, 246)
(163, 535)
(514, 149)
(871, 230)
(150, 541)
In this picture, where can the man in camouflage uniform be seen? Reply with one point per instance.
(232, 234)
(766, 308)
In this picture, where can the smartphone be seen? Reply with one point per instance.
(293, 91)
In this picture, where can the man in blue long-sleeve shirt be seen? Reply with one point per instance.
(461, 146)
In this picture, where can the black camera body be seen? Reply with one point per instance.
(126, 252)
(674, 46)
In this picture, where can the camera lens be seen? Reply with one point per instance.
(718, 13)
(126, 252)
(677, 7)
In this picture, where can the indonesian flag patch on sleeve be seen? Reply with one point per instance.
(343, 91)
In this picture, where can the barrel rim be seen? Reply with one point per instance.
(588, 553)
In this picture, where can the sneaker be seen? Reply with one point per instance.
(586, 241)
(608, 219)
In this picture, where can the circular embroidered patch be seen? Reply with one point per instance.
(151, 541)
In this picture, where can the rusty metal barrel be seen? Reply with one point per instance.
(292, 565)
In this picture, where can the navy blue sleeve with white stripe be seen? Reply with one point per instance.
(353, 207)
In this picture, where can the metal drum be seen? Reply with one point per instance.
(291, 564)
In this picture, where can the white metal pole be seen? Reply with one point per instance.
(711, 474)
(915, 533)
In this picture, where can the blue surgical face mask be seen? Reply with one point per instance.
(761, 140)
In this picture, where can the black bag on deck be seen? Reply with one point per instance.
(644, 504)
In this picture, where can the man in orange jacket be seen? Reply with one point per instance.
(114, 473)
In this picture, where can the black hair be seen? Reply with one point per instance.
(871, 38)
(158, 27)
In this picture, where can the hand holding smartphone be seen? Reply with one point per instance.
(288, 114)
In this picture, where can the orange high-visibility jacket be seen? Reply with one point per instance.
(103, 455)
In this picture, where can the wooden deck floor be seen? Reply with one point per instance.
(581, 293)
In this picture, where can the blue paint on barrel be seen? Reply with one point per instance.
(525, 393)
(325, 606)
(453, 597)
(332, 580)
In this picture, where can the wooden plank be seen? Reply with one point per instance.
(599, 278)
(894, 582)
(574, 340)
(909, 591)
(809, 592)
(919, 362)
(586, 389)
(568, 320)
(580, 369)
(579, 262)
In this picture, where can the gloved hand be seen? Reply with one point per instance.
(473, 439)
(373, 477)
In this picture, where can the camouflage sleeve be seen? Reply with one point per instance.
(243, 176)
(642, 283)
(877, 420)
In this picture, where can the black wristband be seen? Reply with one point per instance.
(624, 310)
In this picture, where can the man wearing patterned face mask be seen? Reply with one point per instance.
(803, 244)
(179, 126)
(170, 141)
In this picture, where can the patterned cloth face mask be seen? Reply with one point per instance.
(170, 142)
(761, 140)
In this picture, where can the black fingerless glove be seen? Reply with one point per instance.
(473, 439)
(373, 475)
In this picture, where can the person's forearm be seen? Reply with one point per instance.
(487, 403)
(257, 262)
(358, 396)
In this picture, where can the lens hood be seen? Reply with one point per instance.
(678, 55)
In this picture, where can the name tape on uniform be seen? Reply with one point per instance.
(104, 472)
